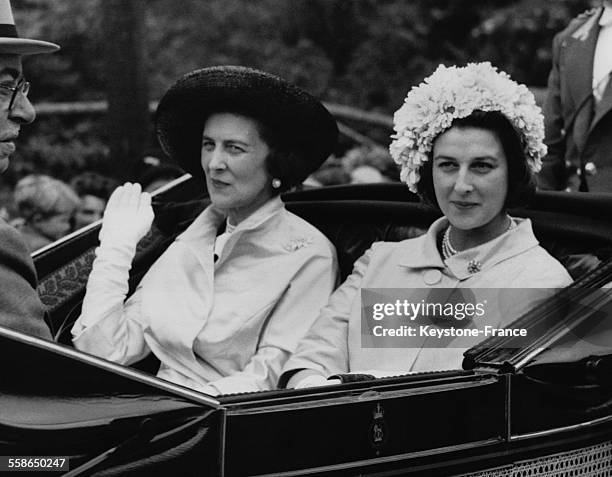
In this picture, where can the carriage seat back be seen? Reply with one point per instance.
(577, 240)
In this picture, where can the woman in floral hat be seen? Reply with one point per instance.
(228, 301)
(469, 141)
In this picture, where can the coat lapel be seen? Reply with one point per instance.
(580, 49)
(424, 252)
(178, 294)
(250, 225)
(178, 291)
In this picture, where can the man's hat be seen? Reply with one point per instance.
(300, 120)
(10, 43)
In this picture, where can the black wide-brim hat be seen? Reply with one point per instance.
(295, 116)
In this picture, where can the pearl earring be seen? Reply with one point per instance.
(276, 183)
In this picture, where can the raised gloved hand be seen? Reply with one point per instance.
(128, 216)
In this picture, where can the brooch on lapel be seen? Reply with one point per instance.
(474, 266)
(297, 243)
(582, 33)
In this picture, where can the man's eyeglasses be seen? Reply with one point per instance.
(22, 87)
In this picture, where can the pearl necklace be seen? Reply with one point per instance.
(447, 247)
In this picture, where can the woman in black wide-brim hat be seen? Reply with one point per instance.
(227, 303)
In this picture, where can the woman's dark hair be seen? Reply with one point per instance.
(521, 180)
(281, 160)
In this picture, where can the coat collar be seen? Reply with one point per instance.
(606, 17)
(603, 18)
(200, 236)
(208, 222)
(422, 252)
(582, 33)
(580, 54)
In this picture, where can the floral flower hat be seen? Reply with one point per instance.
(451, 92)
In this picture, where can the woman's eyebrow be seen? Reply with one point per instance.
(228, 140)
(238, 141)
(481, 158)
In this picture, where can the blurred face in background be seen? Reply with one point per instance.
(53, 226)
(89, 211)
(366, 175)
(11, 116)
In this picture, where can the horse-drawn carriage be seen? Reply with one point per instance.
(543, 408)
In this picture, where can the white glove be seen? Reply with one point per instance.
(316, 380)
(128, 216)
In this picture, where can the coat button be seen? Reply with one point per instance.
(431, 277)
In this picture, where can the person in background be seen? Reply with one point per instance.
(46, 207)
(368, 164)
(20, 306)
(6, 199)
(93, 190)
(331, 173)
(468, 141)
(226, 304)
(578, 106)
(366, 174)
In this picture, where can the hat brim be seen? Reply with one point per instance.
(302, 122)
(24, 46)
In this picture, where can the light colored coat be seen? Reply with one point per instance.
(222, 327)
(337, 344)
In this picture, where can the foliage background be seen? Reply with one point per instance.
(361, 53)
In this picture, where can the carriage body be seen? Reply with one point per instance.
(506, 413)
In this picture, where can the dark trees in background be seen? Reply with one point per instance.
(126, 83)
(361, 53)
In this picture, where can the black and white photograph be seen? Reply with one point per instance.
(306, 237)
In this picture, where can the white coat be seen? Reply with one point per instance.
(221, 327)
(337, 344)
